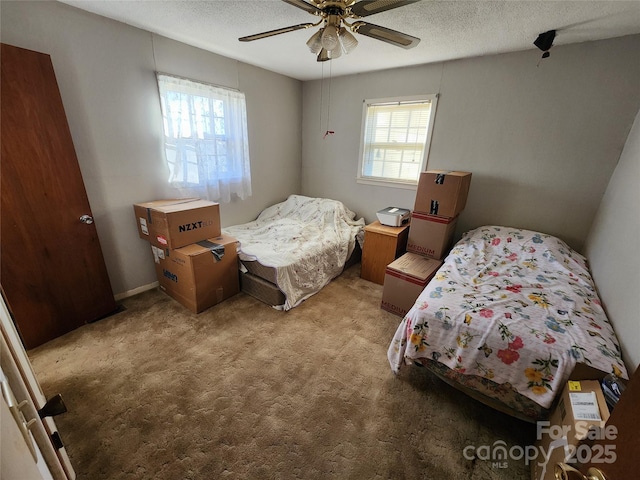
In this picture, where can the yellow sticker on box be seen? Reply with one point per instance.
(574, 386)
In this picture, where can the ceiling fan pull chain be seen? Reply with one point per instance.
(328, 132)
(329, 94)
(321, 94)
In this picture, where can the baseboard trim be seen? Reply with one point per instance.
(136, 291)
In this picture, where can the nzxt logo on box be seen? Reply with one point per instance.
(187, 227)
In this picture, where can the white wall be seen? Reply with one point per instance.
(106, 74)
(541, 141)
(612, 249)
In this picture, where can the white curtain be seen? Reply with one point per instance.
(206, 144)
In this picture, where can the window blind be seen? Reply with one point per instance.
(395, 137)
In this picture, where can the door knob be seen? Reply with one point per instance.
(563, 471)
(87, 219)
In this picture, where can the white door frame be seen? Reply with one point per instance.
(24, 387)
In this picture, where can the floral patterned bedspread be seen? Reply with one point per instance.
(513, 306)
(307, 240)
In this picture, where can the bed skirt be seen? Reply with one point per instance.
(501, 397)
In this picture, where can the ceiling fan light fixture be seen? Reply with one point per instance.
(314, 43)
(335, 53)
(329, 37)
(323, 55)
(347, 40)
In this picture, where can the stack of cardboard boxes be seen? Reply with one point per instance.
(195, 263)
(440, 198)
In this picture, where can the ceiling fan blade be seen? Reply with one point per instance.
(393, 37)
(369, 7)
(304, 6)
(271, 33)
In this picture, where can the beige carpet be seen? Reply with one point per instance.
(243, 391)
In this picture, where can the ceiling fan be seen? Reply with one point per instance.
(335, 37)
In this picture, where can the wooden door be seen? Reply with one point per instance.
(52, 270)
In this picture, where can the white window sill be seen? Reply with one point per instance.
(387, 183)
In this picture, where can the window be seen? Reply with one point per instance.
(205, 135)
(396, 135)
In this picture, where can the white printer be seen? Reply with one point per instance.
(394, 216)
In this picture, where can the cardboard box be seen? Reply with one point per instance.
(176, 223)
(431, 235)
(404, 280)
(442, 193)
(579, 418)
(199, 275)
(142, 212)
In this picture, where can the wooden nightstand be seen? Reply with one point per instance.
(382, 245)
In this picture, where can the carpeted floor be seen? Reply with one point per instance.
(244, 391)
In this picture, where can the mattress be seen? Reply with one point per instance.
(261, 289)
(259, 281)
(254, 267)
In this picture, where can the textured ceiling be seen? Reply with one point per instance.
(448, 29)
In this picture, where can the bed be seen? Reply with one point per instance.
(296, 247)
(506, 319)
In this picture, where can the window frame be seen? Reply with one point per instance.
(385, 181)
(200, 142)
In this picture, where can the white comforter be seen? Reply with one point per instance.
(307, 240)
